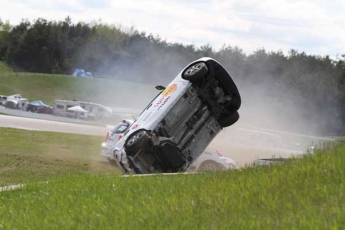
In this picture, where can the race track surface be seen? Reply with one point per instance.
(52, 126)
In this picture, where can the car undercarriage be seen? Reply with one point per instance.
(209, 104)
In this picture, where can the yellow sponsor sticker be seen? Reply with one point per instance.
(171, 89)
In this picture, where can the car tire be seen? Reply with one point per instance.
(210, 165)
(226, 120)
(137, 140)
(34, 109)
(195, 72)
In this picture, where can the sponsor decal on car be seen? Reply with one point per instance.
(147, 116)
(169, 90)
(165, 96)
(162, 102)
(159, 102)
(135, 126)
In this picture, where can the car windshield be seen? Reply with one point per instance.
(38, 103)
(121, 127)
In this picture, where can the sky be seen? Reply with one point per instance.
(315, 27)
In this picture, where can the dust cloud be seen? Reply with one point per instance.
(271, 112)
(275, 121)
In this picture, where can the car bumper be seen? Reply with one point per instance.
(229, 163)
(106, 151)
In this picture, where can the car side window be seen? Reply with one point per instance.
(121, 127)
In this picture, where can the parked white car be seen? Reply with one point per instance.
(2, 99)
(15, 102)
(210, 159)
(178, 125)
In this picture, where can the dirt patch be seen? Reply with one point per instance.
(6, 168)
(64, 147)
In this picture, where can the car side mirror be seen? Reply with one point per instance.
(160, 87)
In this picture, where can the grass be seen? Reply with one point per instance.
(27, 156)
(305, 193)
(4, 68)
(48, 87)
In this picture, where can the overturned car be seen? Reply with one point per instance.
(210, 159)
(181, 121)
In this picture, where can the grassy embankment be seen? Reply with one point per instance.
(5, 68)
(27, 156)
(302, 194)
(48, 87)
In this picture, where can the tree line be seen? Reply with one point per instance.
(314, 83)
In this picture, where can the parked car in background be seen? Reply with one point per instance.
(210, 159)
(2, 99)
(91, 111)
(15, 102)
(39, 107)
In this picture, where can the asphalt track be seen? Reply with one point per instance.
(52, 126)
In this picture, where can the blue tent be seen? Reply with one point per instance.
(81, 73)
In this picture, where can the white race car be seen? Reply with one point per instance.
(178, 125)
(210, 159)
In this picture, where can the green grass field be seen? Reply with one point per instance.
(27, 156)
(48, 87)
(304, 193)
(4, 68)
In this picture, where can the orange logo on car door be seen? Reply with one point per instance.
(171, 89)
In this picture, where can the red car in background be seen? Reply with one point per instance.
(39, 107)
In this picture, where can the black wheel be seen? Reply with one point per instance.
(34, 109)
(137, 140)
(210, 165)
(228, 120)
(195, 72)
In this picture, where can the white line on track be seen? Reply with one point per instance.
(11, 187)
